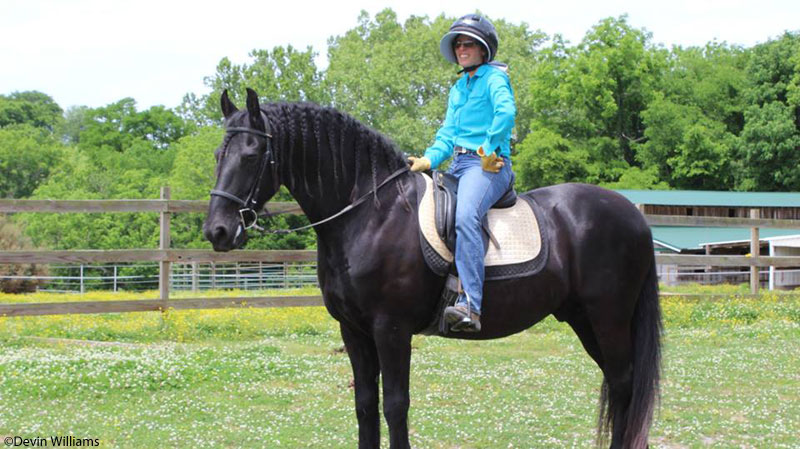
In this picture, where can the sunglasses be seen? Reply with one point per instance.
(465, 44)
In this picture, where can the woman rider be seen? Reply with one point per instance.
(477, 132)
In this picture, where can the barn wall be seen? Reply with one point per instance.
(778, 213)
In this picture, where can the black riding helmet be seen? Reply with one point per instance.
(475, 26)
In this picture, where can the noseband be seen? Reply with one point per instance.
(248, 213)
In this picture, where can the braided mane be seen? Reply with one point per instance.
(315, 143)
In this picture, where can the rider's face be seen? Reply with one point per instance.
(468, 51)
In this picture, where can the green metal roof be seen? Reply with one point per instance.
(686, 237)
(710, 198)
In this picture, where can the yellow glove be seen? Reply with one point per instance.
(491, 162)
(419, 163)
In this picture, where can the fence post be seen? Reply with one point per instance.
(164, 265)
(213, 276)
(771, 268)
(115, 278)
(755, 249)
(195, 276)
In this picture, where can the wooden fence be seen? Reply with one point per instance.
(166, 256)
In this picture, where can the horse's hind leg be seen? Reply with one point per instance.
(364, 360)
(583, 329)
(606, 337)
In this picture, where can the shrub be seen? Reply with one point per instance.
(12, 238)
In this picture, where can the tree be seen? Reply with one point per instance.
(31, 108)
(391, 77)
(119, 125)
(592, 96)
(192, 178)
(685, 147)
(693, 122)
(282, 74)
(75, 120)
(712, 78)
(613, 76)
(27, 156)
(545, 158)
(769, 148)
(638, 179)
(102, 175)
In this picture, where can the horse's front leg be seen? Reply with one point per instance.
(393, 339)
(364, 360)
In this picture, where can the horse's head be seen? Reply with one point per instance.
(246, 175)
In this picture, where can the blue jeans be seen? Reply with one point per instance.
(478, 190)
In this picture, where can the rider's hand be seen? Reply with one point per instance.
(419, 163)
(491, 162)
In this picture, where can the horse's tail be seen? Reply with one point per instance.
(646, 333)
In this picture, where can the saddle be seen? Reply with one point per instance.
(519, 250)
(445, 196)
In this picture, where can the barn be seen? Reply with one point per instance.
(720, 240)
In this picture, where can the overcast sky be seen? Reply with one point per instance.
(96, 52)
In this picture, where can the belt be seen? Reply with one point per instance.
(461, 150)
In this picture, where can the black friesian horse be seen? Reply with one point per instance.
(599, 277)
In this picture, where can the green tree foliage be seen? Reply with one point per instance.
(546, 158)
(75, 120)
(615, 73)
(27, 156)
(121, 153)
(98, 175)
(693, 123)
(28, 149)
(119, 126)
(282, 74)
(592, 96)
(192, 178)
(770, 142)
(685, 147)
(31, 108)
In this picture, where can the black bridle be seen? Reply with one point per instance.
(248, 213)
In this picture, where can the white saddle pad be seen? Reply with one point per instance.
(515, 229)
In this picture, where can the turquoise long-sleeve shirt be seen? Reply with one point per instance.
(480, 113)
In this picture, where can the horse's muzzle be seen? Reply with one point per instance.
(224, 237)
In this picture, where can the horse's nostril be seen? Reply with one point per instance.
(219, 234)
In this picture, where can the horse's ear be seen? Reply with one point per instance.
(228, 108)
(253, 110)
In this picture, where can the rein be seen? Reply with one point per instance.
(347, 208)
(248, 205)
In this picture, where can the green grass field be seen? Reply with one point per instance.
(278, 378)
